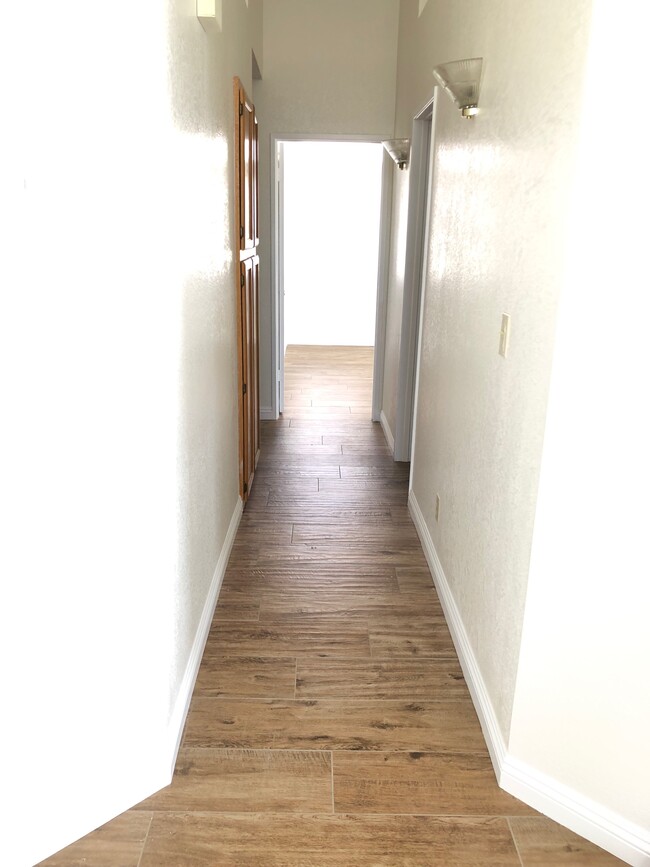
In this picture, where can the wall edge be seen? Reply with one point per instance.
(589, 819)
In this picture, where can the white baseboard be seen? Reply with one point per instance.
(478, 691)
(591, 820)
(182, 705)
(390, 439)
(267, 414)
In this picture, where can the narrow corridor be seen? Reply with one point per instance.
(330, 723)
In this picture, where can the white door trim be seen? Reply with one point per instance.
(420, 181)
(277, 288)
(383, 273)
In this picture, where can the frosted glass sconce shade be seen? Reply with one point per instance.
(461, 80)
(398, 149)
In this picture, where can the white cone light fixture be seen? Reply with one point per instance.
(461, 81)
(399, 150)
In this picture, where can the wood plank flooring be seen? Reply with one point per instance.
(330, 724)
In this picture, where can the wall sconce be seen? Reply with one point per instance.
(461, 80)
(399, 149)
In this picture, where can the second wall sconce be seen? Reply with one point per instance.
(399, 149)
(461, 80)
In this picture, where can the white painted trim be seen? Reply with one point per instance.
(568, 807)
(383, 421)
(277, 286)
(422, 300)
(182, 704)
(278, 246)
(267, 413)
(591, 820)
(420, 181)
(487, 717)
(277, 289)
(383, 270)
(321, 136)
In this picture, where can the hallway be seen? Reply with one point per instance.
(330, 722)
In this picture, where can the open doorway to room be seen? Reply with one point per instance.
(328, 203)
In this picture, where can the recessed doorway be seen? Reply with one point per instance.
(326, 244)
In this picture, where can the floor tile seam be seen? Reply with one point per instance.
(478, 816)
(421, 752)
(272, 616)
(361, 700)
(336, 701)
(309, 654)
(326, 635)
(443, 655)
(228, 620)
(324, 751)
(462, 700)
(514, 841)
(146, 837)
(316, 658)
(381, 751)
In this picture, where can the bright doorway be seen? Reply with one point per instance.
(326, 244)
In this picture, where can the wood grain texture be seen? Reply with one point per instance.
(543, 843)
(247, 780)
(245, 676)
(117, 844)
(412, 579)
(327, 637)
(236, 607)
(409, 679)
(312, 577)
(290, 604)
(265, 840)
(399, 635)
(359, 533)
(329, 681)
(334, 725)
(417, 782)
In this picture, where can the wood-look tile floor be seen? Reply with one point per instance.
(330, 723)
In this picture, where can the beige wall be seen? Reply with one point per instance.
(328, 68)
(582, 705)
(500, 203)
(533, 207)
(120, 439)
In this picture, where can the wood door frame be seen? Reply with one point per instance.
(277, 263)
(245, 254)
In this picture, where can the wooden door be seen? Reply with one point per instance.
(246, 223)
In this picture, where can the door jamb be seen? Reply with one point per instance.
(383, 275)
(277, 231)
(420, 182)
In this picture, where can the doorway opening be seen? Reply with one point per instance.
(328, 196)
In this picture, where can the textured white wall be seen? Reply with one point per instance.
(119, 395)
(500, 205)
(332, 196)
(537, 203)
(328, 68)
(582, 707)
(395, 295)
